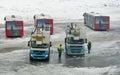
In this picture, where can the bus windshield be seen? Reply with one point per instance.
(102, 20)
(14, 26)
(41, 23)
(44, 23)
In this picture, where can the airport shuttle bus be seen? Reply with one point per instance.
(14, 27)
(96, 21)
(45, 21)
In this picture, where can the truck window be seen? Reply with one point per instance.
(34, 45)
(72, 41)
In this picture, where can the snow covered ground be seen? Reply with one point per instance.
(105, 55)
(103, 60)
(18, 66)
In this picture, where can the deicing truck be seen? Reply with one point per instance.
(40, 43)
(75, 40)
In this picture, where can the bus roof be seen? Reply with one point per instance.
(40, 16)
(12, 18)
(95, 14)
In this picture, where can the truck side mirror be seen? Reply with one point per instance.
(28, 43)
(86, 40)
(50, 44)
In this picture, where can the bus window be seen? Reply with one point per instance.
(41, 23)
(10, 25)
(100, 20)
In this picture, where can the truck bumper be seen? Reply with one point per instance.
(75, 54)
(75, 51)
(39, 54)
(34, 56)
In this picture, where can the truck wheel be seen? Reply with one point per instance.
(65, 40)
(67, 55)
(66, 50)
(48, 58)
(31, 59)
(83, 55)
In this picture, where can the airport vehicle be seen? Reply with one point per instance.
(40, 43)
(96, 21)
(45, 20)
(75, 40)
(14, 26)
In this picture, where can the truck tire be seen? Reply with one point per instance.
(83, 55)
(48, 58)
(30, 58)
(65, 40)
(65, 47)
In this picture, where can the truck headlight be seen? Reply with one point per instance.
(46, 56)
(31, 55)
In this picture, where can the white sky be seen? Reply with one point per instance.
(58, 9)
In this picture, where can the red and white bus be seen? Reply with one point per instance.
(96, 21)
(45, 21)
(14, 26)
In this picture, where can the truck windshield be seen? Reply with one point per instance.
(34, 45)
(80, 41)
